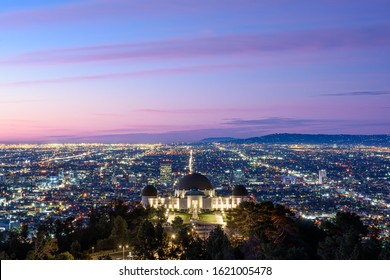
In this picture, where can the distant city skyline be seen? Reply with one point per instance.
(165, 71)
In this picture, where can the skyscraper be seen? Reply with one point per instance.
(238, 177)
(321, 176)
(165, 173)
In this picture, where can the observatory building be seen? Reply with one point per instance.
(194, 193)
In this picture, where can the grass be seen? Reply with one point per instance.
(184, 216)
(203, 217)
(207, 218)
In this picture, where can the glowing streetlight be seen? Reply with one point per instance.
(123, 250)
(173, 236)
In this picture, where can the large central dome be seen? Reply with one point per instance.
(194, 181)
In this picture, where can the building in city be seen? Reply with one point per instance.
(322, 176)
(166, 173)
(238, 177)
(289, 180)
(194, 193)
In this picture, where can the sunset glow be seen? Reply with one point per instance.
(161, 71)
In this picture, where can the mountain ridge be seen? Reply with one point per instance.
(295, 138)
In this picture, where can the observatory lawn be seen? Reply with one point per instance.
(203, 217)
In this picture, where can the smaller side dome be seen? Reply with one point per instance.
(149, 190)
(240, 190)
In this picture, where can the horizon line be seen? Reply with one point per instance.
(128, 142)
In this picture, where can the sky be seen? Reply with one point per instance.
(183, 70)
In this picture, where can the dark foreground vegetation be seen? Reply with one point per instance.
(254, 231)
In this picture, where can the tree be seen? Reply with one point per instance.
(186, 244)
(17, 245)
(218, 246)
(3, 255)
(195, 251)
(145, 242)
(64, 256)
(75, 250)
(24, 233)
(177, 224)
(161, 242)
(119, 233)
(64, 233)
(44, 247)
(385, 251)
(343, 239)
(271, 231)
(120, 209)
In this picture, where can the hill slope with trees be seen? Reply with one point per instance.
(255, 230)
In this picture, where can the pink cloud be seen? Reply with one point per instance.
(195, 111)
(166, 71)
(249, 45)
(103, 10)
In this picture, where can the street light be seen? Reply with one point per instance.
(123, 250)
(93, 249)
(173, 236)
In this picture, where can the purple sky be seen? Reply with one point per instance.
(161, 71)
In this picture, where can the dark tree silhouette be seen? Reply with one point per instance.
(254, 231)
(145, 243)
(218, 246)
(44, 247)
(343, 239)
(119, 233)
(271, 231)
